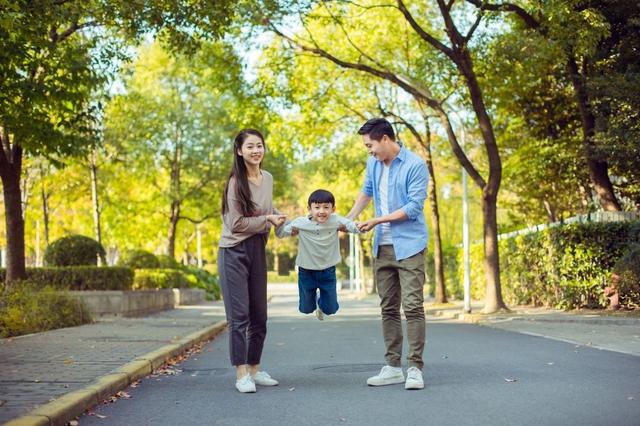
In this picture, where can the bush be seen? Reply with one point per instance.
(205, 280)
(79, 277)
(160, 278)
(26, 308)
(74, 250)
(627, 270)
(167, 262)
(139, 259)
(565, 266)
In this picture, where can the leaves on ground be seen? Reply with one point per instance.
(510, 379)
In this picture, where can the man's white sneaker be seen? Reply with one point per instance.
(264, 379)
(319, 314)
(388, 376)
(414, 379)
(246, 384)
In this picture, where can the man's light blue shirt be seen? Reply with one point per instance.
(408, 179)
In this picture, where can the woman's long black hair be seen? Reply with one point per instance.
(239, 171)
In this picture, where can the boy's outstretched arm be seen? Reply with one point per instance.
(287, 229)
(347, 225)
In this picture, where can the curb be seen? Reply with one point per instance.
(73, 404)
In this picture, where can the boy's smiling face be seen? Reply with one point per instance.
(320, 212)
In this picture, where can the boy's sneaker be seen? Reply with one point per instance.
(388, 376)
(246, 384)
(263, 378)
(319, 314)
(414, 379)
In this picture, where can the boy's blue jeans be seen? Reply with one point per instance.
(309, 282)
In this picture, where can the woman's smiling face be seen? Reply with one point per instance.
(252, 150)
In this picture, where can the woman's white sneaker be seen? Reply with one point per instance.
(387, 376)
(414, 379)
(264, 379)
(245, 384)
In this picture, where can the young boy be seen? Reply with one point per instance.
(318, 252)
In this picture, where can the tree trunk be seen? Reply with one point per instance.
(45, 212)
(94, 199)
(598, 169)
(173, 228)
(493, 297)
(10, 171)
(441, 292)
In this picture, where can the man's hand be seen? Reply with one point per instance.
(366, 226)
(342, 228)
(294, 231)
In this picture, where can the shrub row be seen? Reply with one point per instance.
(79, 277)
(27, 308)
(565, 266)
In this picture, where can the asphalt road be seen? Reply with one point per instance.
(474, 375)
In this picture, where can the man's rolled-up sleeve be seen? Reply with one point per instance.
(418, 178)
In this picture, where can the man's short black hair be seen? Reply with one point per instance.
(376, 128)
(321, 196)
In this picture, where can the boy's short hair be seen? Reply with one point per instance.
(321, 196)
(376, 128)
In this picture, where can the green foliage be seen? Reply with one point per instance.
(29, 308)
(564, 267)
(139, 259)
(160, 278)
(167, 262)
(79, 277)
(627, 269)
(200, 278)
(74, 250)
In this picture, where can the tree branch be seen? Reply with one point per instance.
(422, 33)
(528, 19)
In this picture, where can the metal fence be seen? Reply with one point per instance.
(585, 218)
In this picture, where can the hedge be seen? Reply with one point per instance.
(565, 266)
(80, 277)
(29, 308)
(160, 278)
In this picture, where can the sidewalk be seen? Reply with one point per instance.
(81, 366)
(614, 331)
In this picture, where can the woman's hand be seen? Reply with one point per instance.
(276, 219)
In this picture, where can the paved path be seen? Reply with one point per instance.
(37, 368)
(474, 375)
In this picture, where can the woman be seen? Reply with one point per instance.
(247, 216)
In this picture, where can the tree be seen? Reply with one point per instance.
(53, 54)
(458, 54)
(173, 124)
(583, 29)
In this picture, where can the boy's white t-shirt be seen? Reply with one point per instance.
(318, 243)
(385, 229)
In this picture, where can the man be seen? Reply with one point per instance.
(396, 179)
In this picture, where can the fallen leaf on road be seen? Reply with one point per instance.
(549, 363)
(292, 389)
(280, 344)
(68, 361)
(135, 384)
(342, 419)
(444, 357)
(73, 423)
(510, 379)
(630, 398)
(123, 394)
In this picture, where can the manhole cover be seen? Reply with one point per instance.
(349, 368)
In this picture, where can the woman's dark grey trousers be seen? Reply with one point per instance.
(243, 278)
